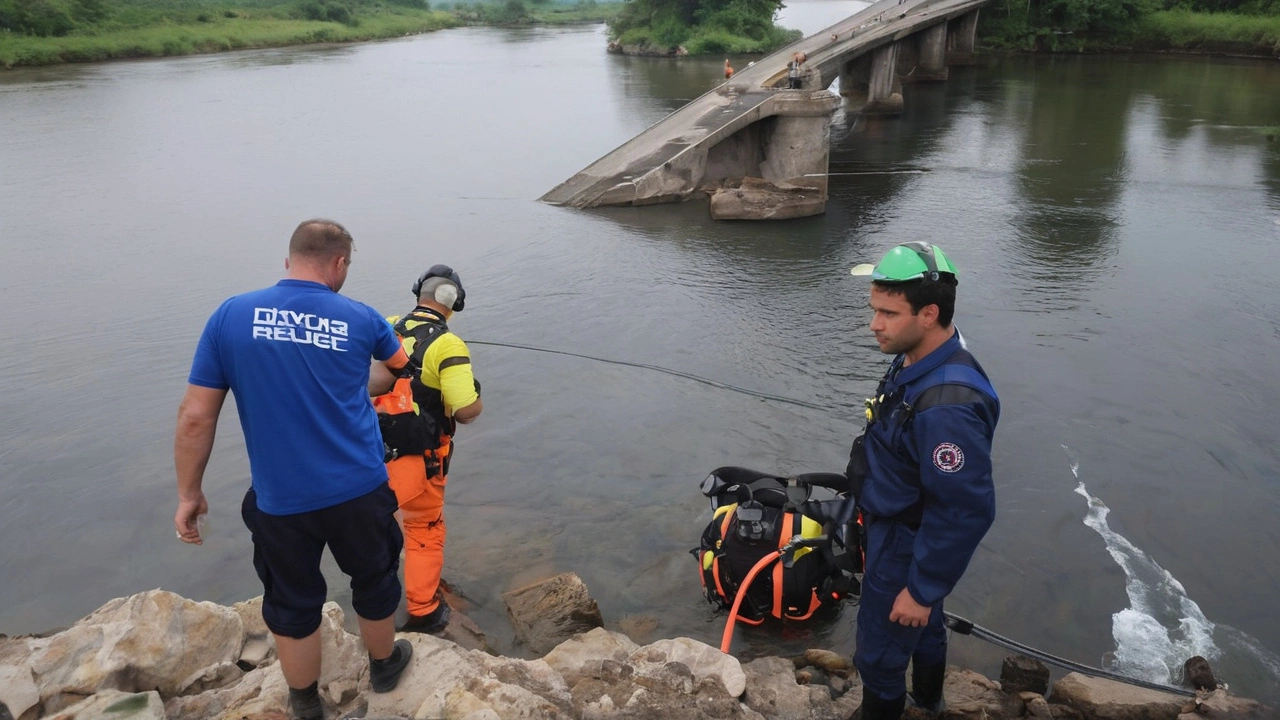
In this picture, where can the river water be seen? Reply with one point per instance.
(1116, 222)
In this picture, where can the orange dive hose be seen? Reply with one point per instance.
(742, 592)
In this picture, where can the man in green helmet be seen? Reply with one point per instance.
(921, 475)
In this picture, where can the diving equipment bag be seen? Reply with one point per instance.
(755, 514)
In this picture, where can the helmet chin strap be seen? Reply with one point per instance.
(925, 251)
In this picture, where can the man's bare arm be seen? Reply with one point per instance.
(466, 414)
(192, 445)
(382, 375)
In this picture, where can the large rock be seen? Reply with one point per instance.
(154, 640)
(547, 613)
(443, 680)
(585, 655)
(259, 646)
(668, 691)
(973, 696)
(1218, 705)
(1020, 673)
(18, 691)
(344, 659)
(115, 705)
(1110, 700)
(344, 666)
(702, 660)
(772, 691)
(260, 691)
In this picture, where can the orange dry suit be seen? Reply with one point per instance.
(417, 430)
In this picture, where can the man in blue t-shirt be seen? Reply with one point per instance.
(296, 355)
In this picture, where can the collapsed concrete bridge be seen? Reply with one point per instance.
(759, 149)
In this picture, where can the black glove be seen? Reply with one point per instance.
(477, 384)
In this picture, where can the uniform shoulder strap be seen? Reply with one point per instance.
(422, 328)
(957, 381)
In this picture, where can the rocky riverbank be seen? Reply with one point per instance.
(158, 655)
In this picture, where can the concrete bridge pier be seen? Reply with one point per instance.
(931, 55)
(960, 36)
(870, 83)
(775, 168)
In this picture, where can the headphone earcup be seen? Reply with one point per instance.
(447, 295)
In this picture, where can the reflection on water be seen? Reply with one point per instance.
(1112, 220)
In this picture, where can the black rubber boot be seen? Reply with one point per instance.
(926, 687)
(431, 623)
(305, 704)
(876, 708)
(385, 674)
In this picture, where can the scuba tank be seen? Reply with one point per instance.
(754, 514)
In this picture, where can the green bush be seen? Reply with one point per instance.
(701, 26)
(44, 18)
(1060, 24)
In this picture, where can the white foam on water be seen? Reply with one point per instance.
(1162, 627)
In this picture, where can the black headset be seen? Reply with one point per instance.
(448, 273)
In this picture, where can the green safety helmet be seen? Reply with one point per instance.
(909, 261)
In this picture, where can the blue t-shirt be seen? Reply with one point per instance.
(296, 356)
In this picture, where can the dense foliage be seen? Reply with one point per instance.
(701, 26)
(1090, 24)
(44, 32)
(59, 18)
(49, 17)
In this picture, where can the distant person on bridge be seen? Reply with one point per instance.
(921, 474)
(795, 71)
(418, 413)
(728, 69)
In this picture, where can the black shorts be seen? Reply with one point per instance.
(365, 540)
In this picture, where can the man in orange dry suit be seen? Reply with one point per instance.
(417, 417)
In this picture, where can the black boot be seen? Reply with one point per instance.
(385, 673)
(876, 708)
(926, 687)
(432, 623)
(305, 704)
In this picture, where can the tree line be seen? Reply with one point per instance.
(57, 18)
(1074, 24)
(701, 26)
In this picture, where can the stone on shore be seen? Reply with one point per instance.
(1101, 699)
(1024, 674)
(772, 691)
(111, 704)
(444, 680)
(19, 694)
(549, 612)
(123, 661)
(155, 640)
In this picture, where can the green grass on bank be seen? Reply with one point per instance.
(1246, 27)
(1209, 32)
(157, 28)
(205, 37)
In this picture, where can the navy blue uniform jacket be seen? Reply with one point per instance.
(940, 455)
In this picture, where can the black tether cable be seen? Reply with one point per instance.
(965, 627)
(954, 622)
(669, 371)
